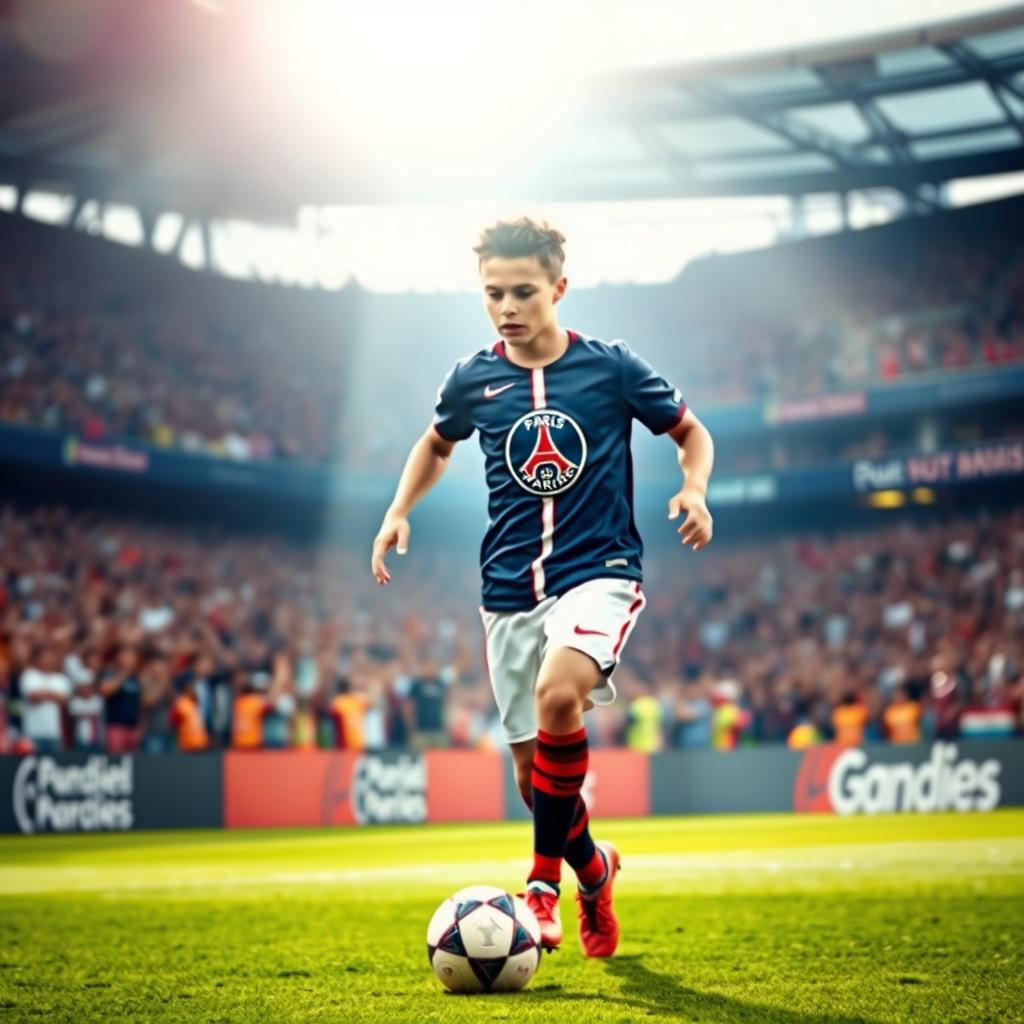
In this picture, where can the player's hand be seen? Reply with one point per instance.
(393, 533)
(697, 526)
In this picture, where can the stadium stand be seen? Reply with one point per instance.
(135, 634)
(913, 297)
(102, 342)
(124, 632)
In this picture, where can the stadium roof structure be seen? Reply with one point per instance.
(908, 111)
(904, 110)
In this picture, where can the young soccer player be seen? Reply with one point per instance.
(561, 555)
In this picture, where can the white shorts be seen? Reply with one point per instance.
(596, 618)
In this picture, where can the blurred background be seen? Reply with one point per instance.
(235, 263)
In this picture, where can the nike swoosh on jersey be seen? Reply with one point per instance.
(490, 392)
(580, 631)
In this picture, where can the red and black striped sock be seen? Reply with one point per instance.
(559, 767)
(581, 853)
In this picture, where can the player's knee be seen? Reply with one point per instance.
(557, 700)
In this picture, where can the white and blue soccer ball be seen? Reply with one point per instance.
(483, 939)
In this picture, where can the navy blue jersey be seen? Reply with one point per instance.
(558, 463)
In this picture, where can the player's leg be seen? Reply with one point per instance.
(556, 777)
(595, 620)
(514, 642)
(586, 631)
(522, 759)
(559, 768)
(560, 760)
(581, 854)
(595, 865)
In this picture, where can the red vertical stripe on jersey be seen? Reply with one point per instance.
(487, 660)
(538, 393)
(634, 610)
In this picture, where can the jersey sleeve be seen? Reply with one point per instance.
(655, 402)
(451, 415)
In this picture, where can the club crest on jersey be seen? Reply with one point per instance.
(545, 452)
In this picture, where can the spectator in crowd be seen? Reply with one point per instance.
(805, 732)
(902, 716)
(186, 718)
(211, 688)
(425, 695)
(692, 727)
(348, 713)
(280, 703)
(121, 688)
(379, 719)
(157, 696)
(728, 718)
(85, 709)
(995, 712)
(250, 707)
(45, 691)
(304, 725)
(645, 727)
(946, 704)
(777, 716)
(471, 718)
(81, 666)
(849, 720)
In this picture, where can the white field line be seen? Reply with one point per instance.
(924, 859)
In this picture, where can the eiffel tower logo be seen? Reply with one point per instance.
(545, 452)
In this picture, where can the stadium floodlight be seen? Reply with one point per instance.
(450, 91)
(466, 95)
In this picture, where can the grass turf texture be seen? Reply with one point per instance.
(775, 919)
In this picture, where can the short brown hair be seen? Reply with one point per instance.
(511, 239)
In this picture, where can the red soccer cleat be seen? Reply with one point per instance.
(599, 927)
(545, 908)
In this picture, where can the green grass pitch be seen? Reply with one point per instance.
(774, 919)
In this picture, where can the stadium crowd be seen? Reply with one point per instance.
(830, 317)
(117, 634)
(114, 346)
(101, 341)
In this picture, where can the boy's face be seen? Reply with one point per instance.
(520, 297)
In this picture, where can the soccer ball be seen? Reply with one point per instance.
(483, 939)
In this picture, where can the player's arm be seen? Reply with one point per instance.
(660, 407)
(423, 468)
(696, 453)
